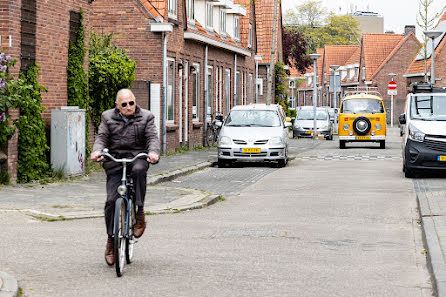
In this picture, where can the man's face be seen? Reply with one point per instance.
(126, 104)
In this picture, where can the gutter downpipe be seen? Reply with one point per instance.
(235, 80)
(164, 93)
(206, 99)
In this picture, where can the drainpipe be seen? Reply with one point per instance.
(235, 80)
(205, 109)
(164, 93)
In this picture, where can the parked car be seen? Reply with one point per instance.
(424, 137)
(362, 118)
(255, 132)
(331, 113)
(304, 122)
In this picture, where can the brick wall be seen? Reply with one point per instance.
(10, 27)
(12, 148)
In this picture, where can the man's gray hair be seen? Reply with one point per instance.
(124, 93)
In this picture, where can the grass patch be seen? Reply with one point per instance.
(20, 293)
(220, 198)
(47, 219)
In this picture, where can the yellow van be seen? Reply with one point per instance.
(362, 118)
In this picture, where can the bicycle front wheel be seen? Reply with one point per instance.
(119, 234)
(210, 137)
(130, 240)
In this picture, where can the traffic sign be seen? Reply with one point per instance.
(392, 85)
(392, 92)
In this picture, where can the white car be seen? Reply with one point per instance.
(424, 136)
(255, 132)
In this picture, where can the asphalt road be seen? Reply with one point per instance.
(332, 223)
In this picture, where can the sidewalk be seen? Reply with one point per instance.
(84, 197)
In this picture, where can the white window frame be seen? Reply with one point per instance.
(196, 95)
(172, 8)
(260, 86)
(251, 76)
(222, 27)
(250, 36)
(171, 91)
(228, 90)
(210, 91)
(191, 11)
(236, 27)
(209, 15)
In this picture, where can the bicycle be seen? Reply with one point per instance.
(213, 130)
(124, 216)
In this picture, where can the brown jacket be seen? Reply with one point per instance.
(123, 139)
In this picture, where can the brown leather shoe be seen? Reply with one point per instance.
(109, 253)
(140, 225)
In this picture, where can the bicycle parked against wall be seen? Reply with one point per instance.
(124, 217)
(214, 129)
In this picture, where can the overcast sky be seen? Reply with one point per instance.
(396, 13)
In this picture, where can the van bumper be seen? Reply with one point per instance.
(418, 156)
(356, 138)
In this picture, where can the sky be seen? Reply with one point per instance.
(396, 13)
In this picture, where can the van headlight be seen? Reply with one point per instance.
(378, 126)
(415, 134)
(225, 140)
(275, 141)
(346, 126)
(122, 190)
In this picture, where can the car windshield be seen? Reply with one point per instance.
(362, 106)
(253, 118)
(428, 108)
(309, 115)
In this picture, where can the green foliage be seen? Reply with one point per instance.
(4, 177)
(33, 146)
(109, 71)
(77, 80)
(281, 91)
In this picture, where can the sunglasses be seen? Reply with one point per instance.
(131, 103)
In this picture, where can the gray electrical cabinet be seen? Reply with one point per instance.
(68, 140)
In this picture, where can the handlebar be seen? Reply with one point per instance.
(123, 160)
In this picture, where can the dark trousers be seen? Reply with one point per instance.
(138, 171)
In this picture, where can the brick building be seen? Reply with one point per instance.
(210, 58)
(417, 71)
(40, 31)
(367, 64)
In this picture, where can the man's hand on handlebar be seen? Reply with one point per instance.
(153, 158)
(96, 156)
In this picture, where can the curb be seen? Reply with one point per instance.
(177, 173)
(9, 286)
(211, 199)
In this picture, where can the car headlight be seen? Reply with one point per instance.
(415, 134)
(275, 141)
(323, 127)
(377, 126)
(225, 140)
(346, 126)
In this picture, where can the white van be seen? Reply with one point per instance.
(424, 132)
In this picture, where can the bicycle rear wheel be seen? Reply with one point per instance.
(119, 235)
(210, 136)
(130, 240)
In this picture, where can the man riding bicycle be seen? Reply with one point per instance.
(126, 131)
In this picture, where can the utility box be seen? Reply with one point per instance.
(68, 140)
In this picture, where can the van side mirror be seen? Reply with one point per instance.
(402, 119)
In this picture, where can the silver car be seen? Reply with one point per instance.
(304, 122)
(255, 132)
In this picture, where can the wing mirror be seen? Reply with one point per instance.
(402, 119)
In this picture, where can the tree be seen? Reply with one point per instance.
(273, 54)
(427, 21)
(295, 49)
(308, 14)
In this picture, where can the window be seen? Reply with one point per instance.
(236, 27)
(250, 36)
(228, 90)
(222, 21)
(250, 87)
(210, 93)
(173, 5)
(190, 10)
(196, 92)
(237, 89)
(260, 86)
(209, 15)
(170, 90)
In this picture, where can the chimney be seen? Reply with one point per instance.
(408, 29)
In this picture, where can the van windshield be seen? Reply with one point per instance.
(362, 106)
(309, 115)
(428, 108)
(253, 118)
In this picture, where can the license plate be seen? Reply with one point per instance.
(250, 150)
(441, 158)
(308, 132)
(362, 137)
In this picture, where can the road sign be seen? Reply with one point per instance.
(392, 85)
(392, 92)
(334, 83)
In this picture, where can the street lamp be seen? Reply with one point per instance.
(432, 35)
(392, 75)
(257, 58)
(314, 57)
(335, 89)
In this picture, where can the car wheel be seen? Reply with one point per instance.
(330, 137)
(281, 163)
(222, 163)
(408, 172)
(342, 144)
(382, 144)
